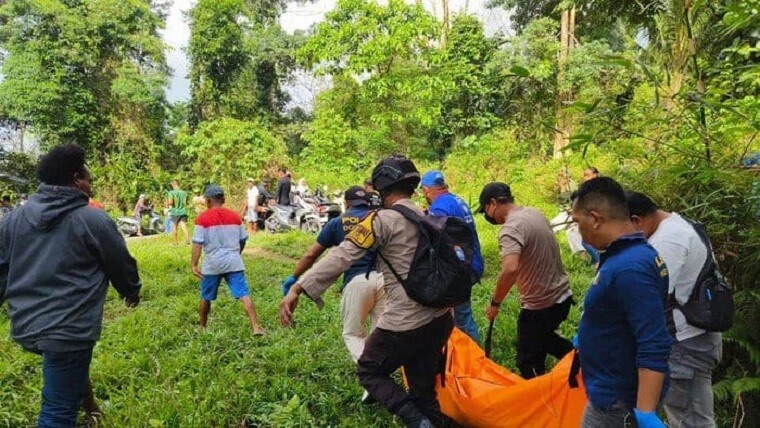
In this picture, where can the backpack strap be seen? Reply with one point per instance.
(710, 265)
(390, 266)
(410, 215)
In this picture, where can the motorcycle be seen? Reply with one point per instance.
(326, 209)
(300, 216)
(129, 226)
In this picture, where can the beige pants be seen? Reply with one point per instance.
(362, 298)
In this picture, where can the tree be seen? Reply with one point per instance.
(92, 72)
(387, 51)
(239, 56)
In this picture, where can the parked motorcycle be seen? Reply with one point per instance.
(301, 216)
(129, 226)
(326, 209)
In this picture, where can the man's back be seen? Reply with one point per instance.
(220, 231)
(283, 191)
(448, 204)
(179, 202)
(680, 247)
(57, 256)
(541, 277)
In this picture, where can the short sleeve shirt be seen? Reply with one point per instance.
(541, 278)
(179, 202)
(220, 231)
(335, 232)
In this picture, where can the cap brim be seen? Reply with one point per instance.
(481, 209)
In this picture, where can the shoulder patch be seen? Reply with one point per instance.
(362, 234)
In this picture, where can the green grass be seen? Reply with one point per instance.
(154, 367)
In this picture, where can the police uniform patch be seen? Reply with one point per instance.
(661, 266)
(362, 234)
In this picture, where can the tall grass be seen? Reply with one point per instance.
(155, 367)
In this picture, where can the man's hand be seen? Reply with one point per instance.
(132, 301)
(197, 272)
(287, 307)
(491, 312)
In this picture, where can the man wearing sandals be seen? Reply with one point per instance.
(220, 235)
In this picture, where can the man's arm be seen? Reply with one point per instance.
(195, 258)
(120, 266)
(674, 255)
(308, 259)
(199, 237)
(643, 306)
(507, 277)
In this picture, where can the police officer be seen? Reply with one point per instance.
(363, 295)
(407, 334)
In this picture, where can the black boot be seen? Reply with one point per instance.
(412, 418)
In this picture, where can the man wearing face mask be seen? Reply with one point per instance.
(64, 254)
(529, 258)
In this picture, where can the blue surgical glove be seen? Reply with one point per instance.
(575, 341)
(288, 283)
(647, 419)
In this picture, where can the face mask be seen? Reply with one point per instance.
(490, 219)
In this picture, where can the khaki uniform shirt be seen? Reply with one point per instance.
(541, 278)
(396, 237)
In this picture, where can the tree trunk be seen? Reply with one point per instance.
(562, 131)
(446, 22)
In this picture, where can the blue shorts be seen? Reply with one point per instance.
(235, 280)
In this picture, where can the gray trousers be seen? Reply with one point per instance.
(618, 416)
(689, 403)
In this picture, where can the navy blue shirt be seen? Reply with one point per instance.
(335, 232)
(623, 326)
(451, 205)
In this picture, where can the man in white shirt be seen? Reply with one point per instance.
(252, 206)
(696, 352)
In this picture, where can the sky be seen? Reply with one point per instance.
(297, 16)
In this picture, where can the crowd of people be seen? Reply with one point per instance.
(637, 349)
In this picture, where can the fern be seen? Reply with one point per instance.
(730, 388)
(752, 350)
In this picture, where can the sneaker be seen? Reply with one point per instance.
(367, 399)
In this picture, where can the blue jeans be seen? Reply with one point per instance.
(465, 321)
(65, 376)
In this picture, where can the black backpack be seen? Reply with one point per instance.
(711, 304)
(441, 273)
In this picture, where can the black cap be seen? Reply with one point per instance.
(356, 195)
(493, 190)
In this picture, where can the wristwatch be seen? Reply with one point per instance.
(495, 304)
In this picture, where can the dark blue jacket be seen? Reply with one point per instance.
(451, 205)
(623, 327)
(335, 232)
(57, 256)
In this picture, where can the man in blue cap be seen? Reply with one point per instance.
(444, 203)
